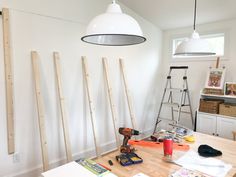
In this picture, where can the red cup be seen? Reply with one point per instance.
(168, 147)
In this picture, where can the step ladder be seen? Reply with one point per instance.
(183, 100)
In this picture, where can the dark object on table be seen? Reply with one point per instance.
(153, 138)
(110, 162)
(208, 151)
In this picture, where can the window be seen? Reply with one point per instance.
(216, 42)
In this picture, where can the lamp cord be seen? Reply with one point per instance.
(195, 12)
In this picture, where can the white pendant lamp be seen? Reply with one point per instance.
(113, 28)
(194, 46)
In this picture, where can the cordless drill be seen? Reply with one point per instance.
(127, 132)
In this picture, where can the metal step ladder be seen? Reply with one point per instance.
(183, 101)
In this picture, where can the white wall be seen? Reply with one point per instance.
(198, 68)
(45, 34)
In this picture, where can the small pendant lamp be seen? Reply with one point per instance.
(194, 46)
(114, 28)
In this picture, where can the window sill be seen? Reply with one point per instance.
(197, 58)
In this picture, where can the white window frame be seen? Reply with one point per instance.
(200, 58)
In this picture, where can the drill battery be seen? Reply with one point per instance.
(126, 159)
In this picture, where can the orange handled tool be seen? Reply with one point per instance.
(176, 146)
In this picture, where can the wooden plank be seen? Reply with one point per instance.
(62, 106)
(91, 106)
(111, 101)
(8, 81)
(217, 62)
(130, 105)
(234, 135)
(40, 109)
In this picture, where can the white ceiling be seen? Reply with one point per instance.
(169, 14)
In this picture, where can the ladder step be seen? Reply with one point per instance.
(171, 104)
(185, 105)
(185, 112)
(166, 119)
(179, 67)
(174, 104)
(174, 89)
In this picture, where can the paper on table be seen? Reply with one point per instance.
(183, 172)
(211, 166)
(140, 175)
(72, 169)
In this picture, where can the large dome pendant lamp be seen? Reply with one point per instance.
(194, 46)
(113, 28)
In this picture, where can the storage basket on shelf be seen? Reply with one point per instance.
(211, 91)
(228, 109)
(210, 106)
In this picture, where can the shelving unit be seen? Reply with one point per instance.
(216, 124)
(224, 97)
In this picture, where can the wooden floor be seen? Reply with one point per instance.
(154, 166)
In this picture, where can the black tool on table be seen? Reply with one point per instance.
(110, 162)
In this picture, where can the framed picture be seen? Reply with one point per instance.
(215, 78)
(230, 88)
